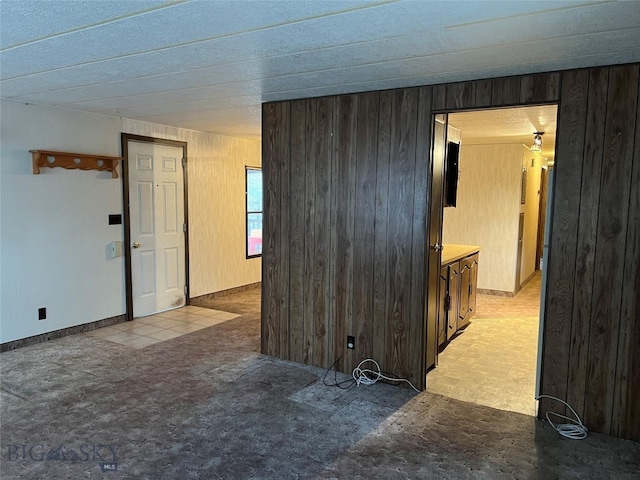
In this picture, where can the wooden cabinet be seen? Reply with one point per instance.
(449, 302)
(468, 281)
(458, 285)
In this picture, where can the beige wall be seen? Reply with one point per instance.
(533, 163)
(487, 211)
(216, 205)
(54, 225)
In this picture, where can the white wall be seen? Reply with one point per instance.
(216, 205)
(54, 226)
(487, 210)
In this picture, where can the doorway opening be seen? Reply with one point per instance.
(501, 207)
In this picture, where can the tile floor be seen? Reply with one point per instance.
(493, 361)
(145, 331)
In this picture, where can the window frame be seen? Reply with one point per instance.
(248, 212)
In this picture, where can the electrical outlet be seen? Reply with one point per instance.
(351, 342)
(42, 313)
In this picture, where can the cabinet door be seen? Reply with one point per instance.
(473, 278)
(454, 282)
(465, 280)
(443, 314)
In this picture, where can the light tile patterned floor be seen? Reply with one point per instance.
(493, 361)
(145, 331)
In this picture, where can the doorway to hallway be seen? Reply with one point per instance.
(493, 361)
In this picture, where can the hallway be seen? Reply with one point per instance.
(493, 361)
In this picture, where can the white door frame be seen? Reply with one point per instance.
(125, 138)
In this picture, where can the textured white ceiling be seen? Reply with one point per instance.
(509, 125)
(208, 65)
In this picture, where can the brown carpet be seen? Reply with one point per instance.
(207, 405)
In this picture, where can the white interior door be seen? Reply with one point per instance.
(156, 205)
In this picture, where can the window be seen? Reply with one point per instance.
(254, 211)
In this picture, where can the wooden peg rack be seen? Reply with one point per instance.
(83, 161)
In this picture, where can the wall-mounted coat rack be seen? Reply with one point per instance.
(83, 161)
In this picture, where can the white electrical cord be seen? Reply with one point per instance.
(574, 430)
(366, 376)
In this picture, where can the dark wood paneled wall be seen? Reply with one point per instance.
(343, 249)
(592, 334)
(347, 180)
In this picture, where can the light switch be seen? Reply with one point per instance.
(115, 249)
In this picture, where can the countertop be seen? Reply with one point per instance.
(451, 253)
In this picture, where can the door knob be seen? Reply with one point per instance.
(136, 245)
(437, 247)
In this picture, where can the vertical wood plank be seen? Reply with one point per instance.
(308, 346)
(505, 91)
(380, 269)
(540, 88)
(272, 125)
(345, 135)
(297, 231)
(417, 322)
(612, 234)
(364, 223)
(283, 236)
(460, 95)
(564, 229)
(626, 406)
(322, 256)
(400, 221)
(439, 101)
(586, 247)
(483, 93)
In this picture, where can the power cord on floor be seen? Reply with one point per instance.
(574, 430)
(366, 376)
(344, 385)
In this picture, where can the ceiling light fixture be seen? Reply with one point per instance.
(536, 146)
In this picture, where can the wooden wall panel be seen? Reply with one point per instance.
(483, 93)
(399, 230)
(460, 95)
(505, 91)
(380, 265)
(417, 325)
(586, 246)
(309, 342)
(611, 239)
(322, 234)
(626, 401)
(275, 127)
(297, 231)
(344, 167)
(439, 97)
(564, 228)
(346, 188)
(364, 223)
(539, 88)
(282, 183)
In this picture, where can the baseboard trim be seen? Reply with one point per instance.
(63, 332)
(528, 279)
(497, 293)
(222, 293)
